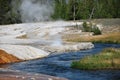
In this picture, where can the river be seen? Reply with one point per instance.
(59, 65)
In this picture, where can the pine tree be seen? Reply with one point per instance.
(72, 9)
(5, 7)
(60, 9)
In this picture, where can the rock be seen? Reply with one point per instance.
(24, 52)
(47, 35)
(6, 74)
(7, 58)
(68, 47)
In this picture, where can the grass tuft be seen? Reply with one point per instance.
(109, 58)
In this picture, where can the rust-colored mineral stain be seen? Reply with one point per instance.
(7, 58)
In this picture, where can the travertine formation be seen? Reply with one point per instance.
(28, 41)
(37, 40)
(17, 75)
(67, 47)
(24, 52)
(7, 58)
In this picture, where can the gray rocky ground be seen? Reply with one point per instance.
(6, 74)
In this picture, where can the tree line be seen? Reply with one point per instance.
(67, 10)
(7, 15)
(86, 9)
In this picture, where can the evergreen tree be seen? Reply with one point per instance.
(7, 15)
(72, 10)
(60, 9)
(66, 10)
(5, 7)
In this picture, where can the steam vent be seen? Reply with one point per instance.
(28, 41)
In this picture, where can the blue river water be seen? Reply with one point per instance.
(59, 65)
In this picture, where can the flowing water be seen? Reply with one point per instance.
(59, 65)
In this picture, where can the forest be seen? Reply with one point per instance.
(67, 10)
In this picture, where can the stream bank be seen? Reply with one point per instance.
(59, 65)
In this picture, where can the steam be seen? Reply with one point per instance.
(36, 10)
(57, 40)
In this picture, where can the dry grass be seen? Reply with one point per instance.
(107, 22)
(109, 25)
(105, 38)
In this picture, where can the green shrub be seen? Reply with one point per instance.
(96, 31)
(86, 27)
(90, 28)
